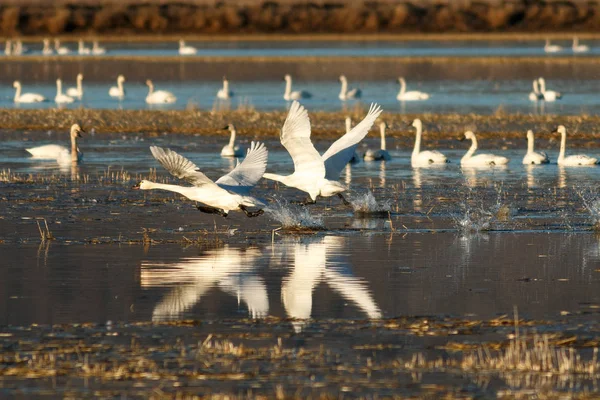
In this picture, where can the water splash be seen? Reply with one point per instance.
(479, 217)
(293, 217)
(591, 202)
(368, 205)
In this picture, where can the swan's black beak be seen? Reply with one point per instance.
(225, 128)
(79, 132)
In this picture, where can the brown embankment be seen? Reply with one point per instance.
(63, 17)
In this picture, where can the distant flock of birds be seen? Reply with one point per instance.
(576, 47)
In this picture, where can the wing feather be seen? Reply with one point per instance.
(247, 173)
(179, 166)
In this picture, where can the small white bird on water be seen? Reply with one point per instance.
(224, 93)
(81, 49)
(532, 156)
(62, 50)
(413, 95)
(60, 153)
(230, 149)
(346, 93)
(96, 49)
(47, 50)
(186, 50)
(160, 96)
(293, 95)
(78, 90)
(118, 91)
(548, 95)
(574, 160)
(230, 192)
(61, 98)
(579, 48)
(480, 159)
(380, 154)
(26, 97)
(427, 157)
(315, 174)
(551, 48)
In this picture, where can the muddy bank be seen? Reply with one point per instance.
(334, 16)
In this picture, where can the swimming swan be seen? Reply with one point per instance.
(551, 48)
(427, 157)
(534, 157)
(230, 192)
(26, 97)
(47, 50)
(315, 174)
(403, 95)
(8, 49)
(380, 154)
(230, 149)
(60, 153)
(160, 96)
(60, 97)
(96, 49)
(186, 50)
(81, 49)
(577, 159)
(579, 48)
(76, 91)
(548, 95)
(535, 95)
(118, 91)
(62, 50)
(348, 94)
(297, 95)
(224, 93)
(480, 159)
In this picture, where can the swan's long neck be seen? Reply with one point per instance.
(18, 92)
(58, 87)
(472, 149)
(575, 41)
(8, 48)
(382, 132)
(563, 145)
(402, 86)
(80, 45)
(73, 147)
(417, 148)
(530, 142)
(536, 89)
(150, 88)
(226, 86)
(120, 86)
(543, 85)
(184, 190)
(344, 87)
(79, 85)
(288, 86)
(46, 46)
(232, 138)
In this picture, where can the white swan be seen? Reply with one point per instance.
(19, 48)
(380, 154)
(551, 48)
(355, 157)
(348, 94)
(160, 96)
(297, 95)
(60, 153)
(535, 95)
(315, 174)
(26, 97)
(224, 93)
(480, 159)
(423, 158)
(579, 48)
(62, 50)
(577, 159)
(60, 97)
(47, 50)
(548, 95)
(534, 157)
(230, 192)
(403, 95)
(81, 49)
(230, 149)
(8, 49)
(78, 90)
(186, 50)
(96, 49)
(118, 91)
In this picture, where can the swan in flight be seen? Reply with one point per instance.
(315, 174)
(60, 153)
(60, 97)
(8, 49)
(186, 50)
(26, 97)
(47, 50)
(62, 50)
(230, 192)
(551, 48)
(118, 91)
(532, 156)
(160, 96)
(480, 159)
(96, 49)
(423, 158)
(81, 49)
(78, 90)
(224, 93)
(297, 95)
(535, 95)
(403, 95)
(579, 48)
(355, 157)
(230, 149)
(380, 154)
(348, 94)
(577, 159)
(548, 95)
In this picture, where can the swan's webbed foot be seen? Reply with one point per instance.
(251, 214)
(346, 202)
(212, 210)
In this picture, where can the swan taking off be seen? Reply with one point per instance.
(60, 153)
(413, 95)
(423, 158)
(26, 97)
(577, 159)
(297, 95)
(118, 91)
(230, 192)
(76, 91)
(579, 48)
(224, 93)
(548, 95)
(96, 49)
(535, 95)
(534, 157)
(348, 94)
(81, 49)
(62, 50)
(186, 50)
(60, 97)
(160, 96)
(230, 149)
(480, 159)
(551, 48)
(380, 154)
(47, 50)
(315, 174)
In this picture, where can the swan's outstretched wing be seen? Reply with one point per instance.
(247, 173)
(342, 150)
(179, 166)
(295, 137)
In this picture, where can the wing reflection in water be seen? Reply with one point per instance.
(230, 269)
(317, 261)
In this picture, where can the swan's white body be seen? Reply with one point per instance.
(548, 95)
(413, 95)
(224, 93)
(579, 48)
(551, 48)
(230, 149)
(380, 154)
(19, 48)
(315, 174)
(81, 49)
(288, 95)
(96, 49)
(62, 50)
(47, 50)
(574, 160)
(8, 49)
(355, 157)
(186, 50)
(532, 156)
(427, 157)
(348, 94)
(480, 159)
(160, 96)
(118, 91)
(61, 98)
(61, 154)
(26, 97)
(535, 95)
(78, 90)
(230, 192)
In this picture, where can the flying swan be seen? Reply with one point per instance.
(423, 158)
(534, 157)
(480, 159)
(60, 153)
(574, 160)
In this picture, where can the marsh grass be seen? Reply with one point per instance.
(45, 234)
